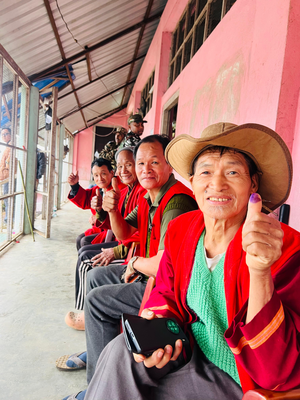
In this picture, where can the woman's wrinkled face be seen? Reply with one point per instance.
(222, 185)
(126, 167)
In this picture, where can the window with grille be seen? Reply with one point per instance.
(197, 22)
(147, 95)
(14, 105)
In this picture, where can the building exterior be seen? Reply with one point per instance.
(245, 70)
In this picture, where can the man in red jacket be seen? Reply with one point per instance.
(166, 199)
(229, 276)
(102, 173)
(102, 254)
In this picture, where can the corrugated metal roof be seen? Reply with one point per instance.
(30, 39)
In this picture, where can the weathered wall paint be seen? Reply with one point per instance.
(246, 71)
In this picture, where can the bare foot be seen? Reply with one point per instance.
(75, 320)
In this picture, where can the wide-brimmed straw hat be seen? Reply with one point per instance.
(263, 145)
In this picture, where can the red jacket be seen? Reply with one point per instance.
(137, 192)
(83, 200)
(143, 212)
(266, 350)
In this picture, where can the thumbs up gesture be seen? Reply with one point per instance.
(112, 197)
(73, 178)
(261, 237)
(96, 202)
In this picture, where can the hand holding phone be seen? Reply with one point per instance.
(155, 341)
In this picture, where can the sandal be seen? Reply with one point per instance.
(61, 362)
(74, 396)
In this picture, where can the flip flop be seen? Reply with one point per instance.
(61, 362)
(74, 396)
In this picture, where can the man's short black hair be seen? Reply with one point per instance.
(100, 162)
(8, 129)
(162, 139)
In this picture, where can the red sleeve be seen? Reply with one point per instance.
(83, 197)
(105, 224)
(162, 298)
(268, 347)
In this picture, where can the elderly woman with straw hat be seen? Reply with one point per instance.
(229, 276)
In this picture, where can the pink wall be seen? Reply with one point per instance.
(288, 117)
(246, 71)
(236, 74)
(83, 156)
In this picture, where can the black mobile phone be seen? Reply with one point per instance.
(144, 336)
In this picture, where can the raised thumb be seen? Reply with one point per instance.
(97, 192)
(254, 205)
(114, 184)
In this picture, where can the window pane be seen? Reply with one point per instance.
(174, 49)
(214, 15)
(192, 15)
(187, 51)
(202, 4)
(171, 74)
(20, 139)
(199, 34)
(181, 31)
(178, 65)
(67, 166)
(172, 122)
(7, 97)
(17, 226)
(4, 186)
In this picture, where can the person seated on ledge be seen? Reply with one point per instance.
(229, 276)
(97, 253)
(108, 297)
(102, 174)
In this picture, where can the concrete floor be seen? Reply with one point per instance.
(36, 291)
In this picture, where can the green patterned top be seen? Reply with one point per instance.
(210, 308)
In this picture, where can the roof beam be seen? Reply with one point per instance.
(88, 64)
(62, 52)
(102, 76)
(138, 43)
(95, 46)
(101, 117)
(46, 88)
(98, 99)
